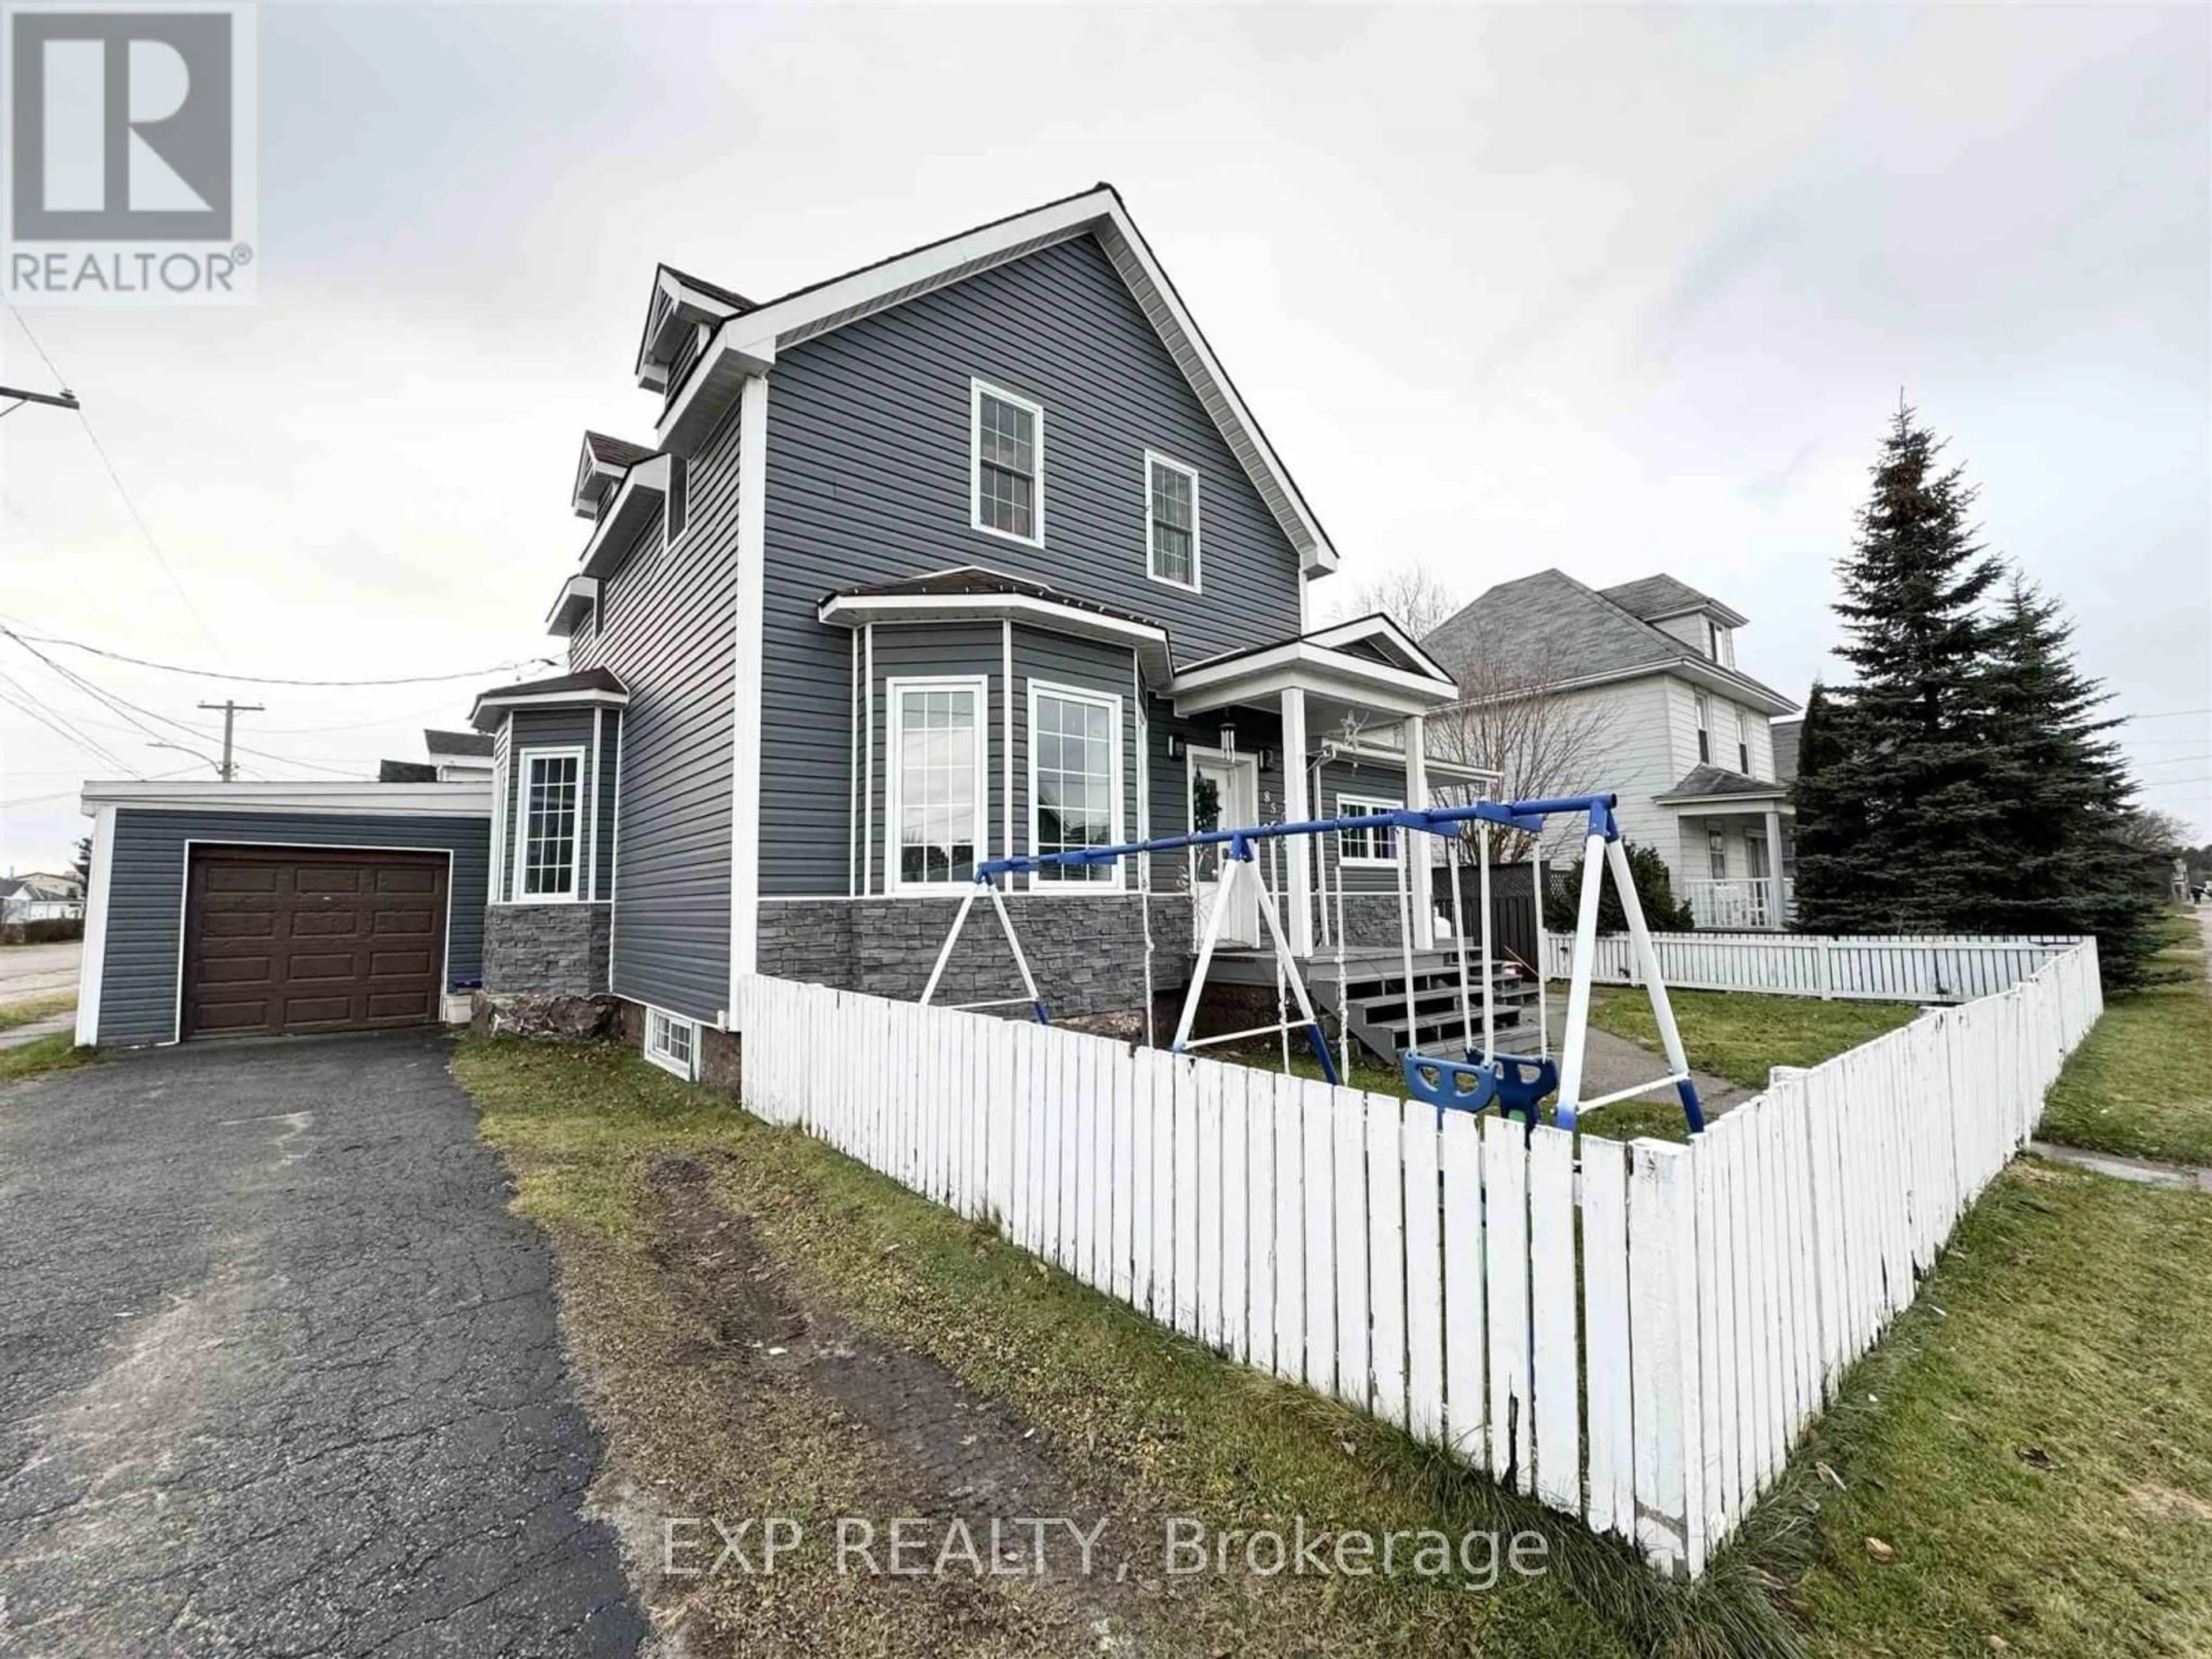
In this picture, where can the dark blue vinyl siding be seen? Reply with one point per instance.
(146, 894)
(668, 629)
(868, 481)
(955, 650)
(1080, 666)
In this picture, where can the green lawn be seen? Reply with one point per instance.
(2141, 1086)
(56, 1053)
(2032, 1441)
(1141, 1423)
(1739, 1035)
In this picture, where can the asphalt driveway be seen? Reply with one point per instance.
(279, 1372)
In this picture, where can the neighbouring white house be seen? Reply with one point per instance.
(41, 896)
(1645, 673)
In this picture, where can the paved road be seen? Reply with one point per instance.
(279, 1371)
(31, 970)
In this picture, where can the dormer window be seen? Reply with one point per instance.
(1171, 521)
(1720, 643)
(1008, 463)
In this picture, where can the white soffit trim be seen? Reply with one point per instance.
(469, 799)
(1148, 642)
(644, 490)
(1317, 668)
(578, 595)
(1380, 628)
(749, 343)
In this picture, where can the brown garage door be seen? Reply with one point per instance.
(282, 940)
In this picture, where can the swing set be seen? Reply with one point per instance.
(1475, 1074)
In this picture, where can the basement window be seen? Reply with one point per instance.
(673, 1044)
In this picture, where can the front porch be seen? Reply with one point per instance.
(1733, 855)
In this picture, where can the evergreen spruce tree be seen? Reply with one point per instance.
(1829, 831)
(1896, 831)
(2062, 796)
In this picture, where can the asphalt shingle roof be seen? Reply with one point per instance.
(1552, 619)
(617, 452)
(474, 745)
(1650, 598)
(1565, 631)
(973, 581)
(1702, 780)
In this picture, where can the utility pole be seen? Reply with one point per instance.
(58, 400)
(231, 711)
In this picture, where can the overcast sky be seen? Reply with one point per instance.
(1618, 291)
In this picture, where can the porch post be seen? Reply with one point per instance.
(1296, 808)
(1417, 795)
(1777, 902)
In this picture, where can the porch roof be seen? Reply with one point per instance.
(1319, 662)
(1717, 785)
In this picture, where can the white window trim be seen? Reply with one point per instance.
(980, 684)
(659, 1054)
(518, 824)
(1112, 703)
(1352, 806)
(1196, 584)
(976, 391)
(1701, 717)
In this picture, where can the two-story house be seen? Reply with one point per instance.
(1645, 673)
(975, 550)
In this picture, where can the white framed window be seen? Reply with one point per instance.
(937, 760)
(1006, 464)
(1703, 705)
(1075, 781)
(673, 1044)
(1742, 740)
(1171, 521)
(1375, 845)
(548, 822)
(1716, 853)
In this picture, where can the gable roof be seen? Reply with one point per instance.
(747, 341)
(1655, 598)
(1579, 636)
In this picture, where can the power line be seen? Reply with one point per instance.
(71, 794)
(267, 680)
(129, 710)
(22, 701)
(2168, 714)
(122, 490)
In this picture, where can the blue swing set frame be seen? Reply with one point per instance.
(1515, 1084)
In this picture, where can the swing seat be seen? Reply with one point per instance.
(1456, 1085)
(1523, 1080)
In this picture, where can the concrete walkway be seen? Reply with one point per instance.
(1611, 1063)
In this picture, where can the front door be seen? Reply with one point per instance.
(1225, 795)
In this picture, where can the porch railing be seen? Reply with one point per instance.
(1746, 902)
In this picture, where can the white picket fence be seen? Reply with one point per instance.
(1884, 967)
(1421, 1266)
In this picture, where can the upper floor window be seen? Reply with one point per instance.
(1171, 519)
(546, 819)
(1376, 844)
(1075, 781)
(1008, 463)
(1743, 743)
(1720, 643)
(935, 812)
(1704, 706)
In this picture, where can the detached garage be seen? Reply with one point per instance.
(284, 909)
